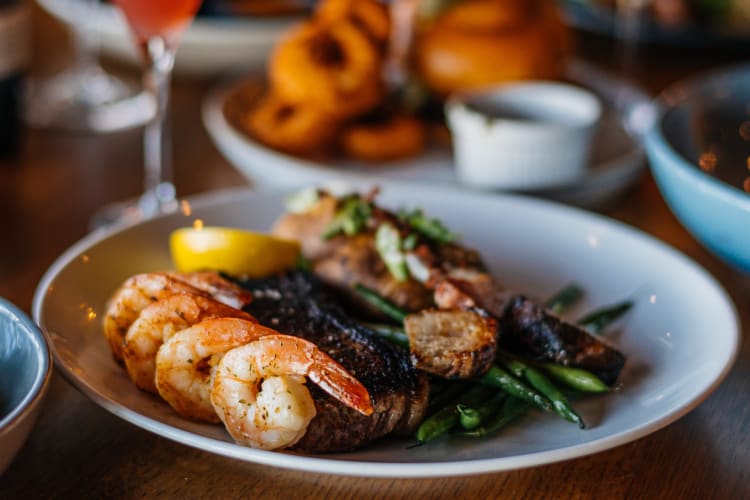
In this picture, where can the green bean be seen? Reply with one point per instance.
(497, 377)
(472, 417)
(380, 303)
(436, 425)
(512, 409)
(577, 378)
(468, 416)
(515, 366)
(597, 320)
(448, 417)
(541, 383)
(559, 402)
(565, 298)
(391, 333)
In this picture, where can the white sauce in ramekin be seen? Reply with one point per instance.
(522, 135)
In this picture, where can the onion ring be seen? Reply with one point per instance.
(331, 66)
(399, 136)
(292, 128)
(368, 16)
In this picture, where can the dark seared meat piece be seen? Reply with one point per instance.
(529, 329)
(456, 279)
(452, 343)
(299, 304)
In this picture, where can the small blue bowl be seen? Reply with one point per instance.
(699, 153)
(25, 371)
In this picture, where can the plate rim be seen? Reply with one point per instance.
(365, 468)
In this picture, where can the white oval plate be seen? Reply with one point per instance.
(531, 245)
(208, 47)
(617, 157)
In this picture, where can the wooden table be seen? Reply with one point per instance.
(80, 450)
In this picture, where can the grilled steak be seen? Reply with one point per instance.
(299, 304)
(528, 328)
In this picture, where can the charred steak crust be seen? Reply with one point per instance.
(529, 329)
(300, 304)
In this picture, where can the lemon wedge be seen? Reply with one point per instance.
(234, 251)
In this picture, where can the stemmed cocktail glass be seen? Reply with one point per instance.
(157, 27)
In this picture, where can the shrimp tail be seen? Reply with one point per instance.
(339, 383)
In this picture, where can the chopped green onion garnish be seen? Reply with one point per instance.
(350, 219)
(410, 242)
(431, 228)
(388, 245)
(301, 201)
(417, 269)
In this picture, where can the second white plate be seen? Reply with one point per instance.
(617, 156)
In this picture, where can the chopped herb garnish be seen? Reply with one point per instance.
(388, 244)
(417, 269)
(350, 219)
(301, 201)
(431, 228)
(410, 242)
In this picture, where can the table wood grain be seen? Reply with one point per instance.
(78, 449)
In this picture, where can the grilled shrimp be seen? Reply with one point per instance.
(220, 289)
(158, 322)
(140, 290)
(258, 390)
(132, 297)
(184, 362)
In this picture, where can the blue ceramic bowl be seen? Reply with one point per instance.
(699, 152)
(25, 370)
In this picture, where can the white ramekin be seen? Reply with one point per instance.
(525, 135)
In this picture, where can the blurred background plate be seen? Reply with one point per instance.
(730, 26)
(617, 156)
(212, 44)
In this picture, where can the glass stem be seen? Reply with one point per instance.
(159, 192)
